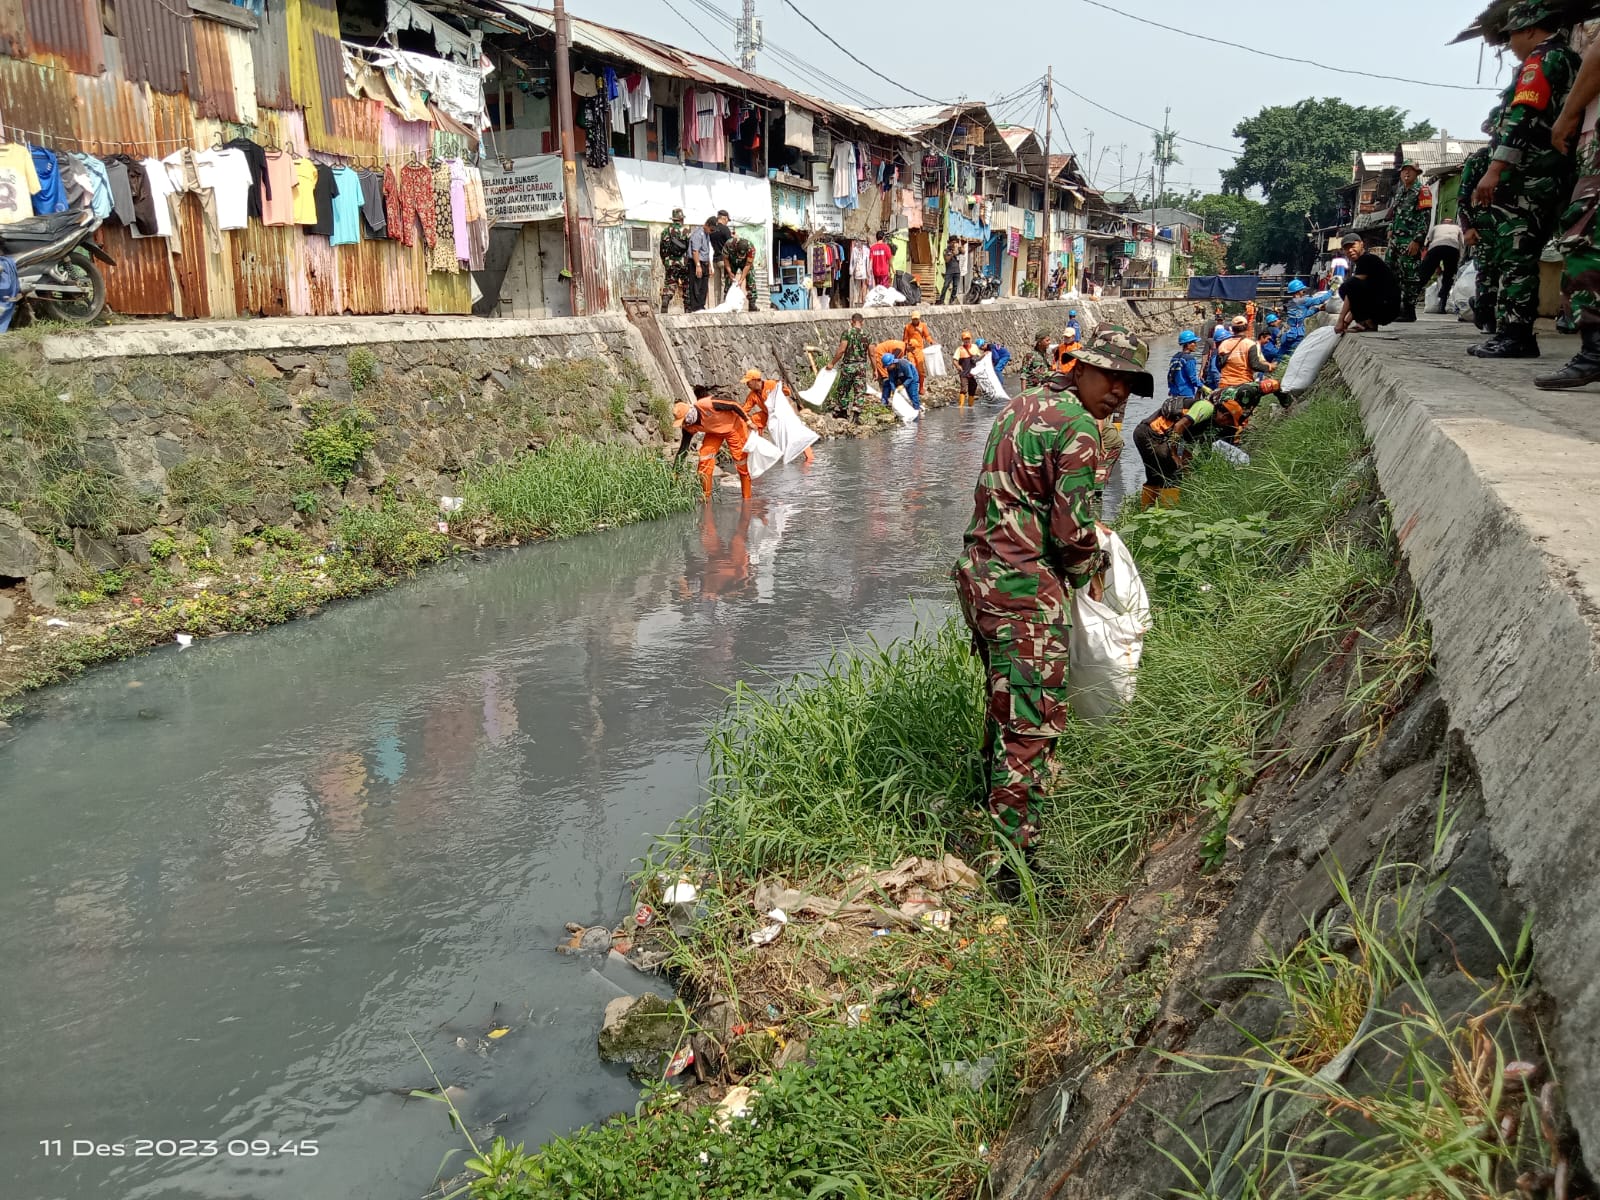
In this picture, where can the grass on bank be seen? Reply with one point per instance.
(873, 758)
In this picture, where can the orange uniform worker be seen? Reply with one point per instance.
(1240, 357)
(1069, 342)
(893, 346)
(918, 337)
(722, 423)
(758, 403)
(966, 357)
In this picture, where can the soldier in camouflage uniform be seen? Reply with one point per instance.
(1528, 180)
(1580, 241)
(854, 366)
(675, 260)
(1478, 229)
(1031, 541)
(1036, 364)
(1407, 231)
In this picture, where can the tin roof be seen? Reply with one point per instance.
(676, 62)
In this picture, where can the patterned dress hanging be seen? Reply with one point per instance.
(443, 254)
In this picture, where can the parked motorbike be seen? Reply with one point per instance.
(984, 287)
(56, 268)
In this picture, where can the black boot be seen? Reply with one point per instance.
(1510, 342)
(1584, 368)
(1408, 313)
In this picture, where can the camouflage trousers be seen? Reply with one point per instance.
(1407, 273)
(677, 279)
(846, 392)
(1486, 292)
(1025, 668)
(1580, 280)
(1523, 224)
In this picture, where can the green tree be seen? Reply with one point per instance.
(1299, 155)
(1208, 253)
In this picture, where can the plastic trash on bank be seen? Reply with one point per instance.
(988, 382)
(768, 934)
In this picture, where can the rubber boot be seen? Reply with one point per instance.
(1583, 370)
(1511, 342)
(1408, 313)
(744, 484)
(1169, 497)
(1149, 496)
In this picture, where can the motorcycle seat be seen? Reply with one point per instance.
(32, 232)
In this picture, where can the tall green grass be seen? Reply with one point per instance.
(574, 486)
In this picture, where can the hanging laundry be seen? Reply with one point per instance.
(710, 133)
(322, 197)
(305, 192)
(393, 209)
(152, 192)
(477, 220)
(458, 207)
(117, 168)
(443, 257)
(596, 120)
(611, 89)
(50, 196)
(346, 207)
(416, 205)
(88, 184)
(373, 215)
(845, 185)
(277, 188)
(584, 84)
(184, 178)
(255, 158)
(227, 174)
(638, 92)
(18, 181)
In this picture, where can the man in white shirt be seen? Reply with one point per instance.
(1340, 268)
(1443, 254)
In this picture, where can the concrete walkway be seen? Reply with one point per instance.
(1495, 492)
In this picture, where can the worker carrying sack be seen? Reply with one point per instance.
(1107, 637)
(788, 432)
(901, 403)
(988, 382)
(1309, 359)
(934, 356)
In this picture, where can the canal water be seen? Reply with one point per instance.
(246, 886)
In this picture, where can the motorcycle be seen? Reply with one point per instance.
(984, 287)
(55, 261)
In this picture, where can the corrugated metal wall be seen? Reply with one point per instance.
(244, 82)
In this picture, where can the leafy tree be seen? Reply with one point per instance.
(1299, 155)
(1208, 253)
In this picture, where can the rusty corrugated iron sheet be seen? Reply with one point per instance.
(269, 55)
(316, 67)
(157, 45)
(594, 293)
(215, 95)
(140, 284)
(67, 32)
(13, 29)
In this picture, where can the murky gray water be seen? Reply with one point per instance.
(236, 881)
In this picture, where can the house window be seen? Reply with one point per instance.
(667, 130)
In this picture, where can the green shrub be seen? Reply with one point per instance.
(162, 548)
(33, 411)
(93, 498)
(363, 368)
(336, 442)
(396, 538)
(208, 490)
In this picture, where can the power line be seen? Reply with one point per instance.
(857, 61)
(1145, 124)
(692, 26)
(1186, 33)
(813, 76)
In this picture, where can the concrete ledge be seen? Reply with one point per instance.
(297, 333)
(1495, 490)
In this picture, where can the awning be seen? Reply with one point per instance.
(1223, 287)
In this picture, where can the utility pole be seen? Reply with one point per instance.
(1049, 234)
(1089, 162)
(569, 158)
(747, 37)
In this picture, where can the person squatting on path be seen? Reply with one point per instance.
(1407, 229)
(1580, 281)
(1031, 541)
(1528, 179)
(850, 360)
(738, 256)
(1370, 291)
(721, 422)
(675, 261)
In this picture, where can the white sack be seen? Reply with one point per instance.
(760, 455)
(817, 394)
(1107, 636)
(988, 382)
(934, 356)
(1466, 287)
(901, 403)
(1232, 453)
(882, 297)
(733, 302)
(788, 432)
(1309, 359)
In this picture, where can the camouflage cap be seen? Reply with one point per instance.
(1410, 164)
(1535, 14)
(1041, 335)
(1113, 348)
(677, 214)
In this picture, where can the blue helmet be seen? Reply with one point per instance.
(1188, 338)
(888, 360)
(1295, 287)
(1272, 318)
(1072, 314)
(983, 343)
(1220, 335)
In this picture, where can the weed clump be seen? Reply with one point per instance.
(337, 441)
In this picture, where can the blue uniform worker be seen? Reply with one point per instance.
(1213, 372)
(1272, 339)
(1302, 306)
(1183, 372)
(902, 372)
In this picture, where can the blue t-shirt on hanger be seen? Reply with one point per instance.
(52, 194)
(346, 207)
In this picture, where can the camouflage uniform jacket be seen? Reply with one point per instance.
(855, 349)
(1036, 368)
(1472, 172)
(1033, 532)
(1521, 137)
(1410, 223)
(737, 253)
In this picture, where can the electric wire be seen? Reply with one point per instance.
(1189, 33)
(812, 76)
(848, 54)
(1145, 124)
(717, 49)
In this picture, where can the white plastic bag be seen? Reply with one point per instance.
(1107, 636)
(934, 356)
(1232, 453)
(1431, 297)
(988, 382)
(788, 432)
(760, 455)
(883, 297)
(901, 403)
(817, 394)
(734, 301)
(1466, 287)
(1309, 359)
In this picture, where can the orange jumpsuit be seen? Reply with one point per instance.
(918, 336)
(727, 424)
(1064, 364)
(756, 403)
(893, 347)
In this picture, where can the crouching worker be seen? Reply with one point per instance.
(1162, 440)
(1031, 542)
(900, 371)
(1236, 405)
(721, 423)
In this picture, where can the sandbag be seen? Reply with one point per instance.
(734, 301)
(792, 436)
(988, 382)
(883, 297)
(901, 403)
(1309, 359)
(1466, 287)
(817, 394)
(1107, 638)
(934, 356)
(760, 455)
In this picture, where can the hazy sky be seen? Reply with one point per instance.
(946, 52)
